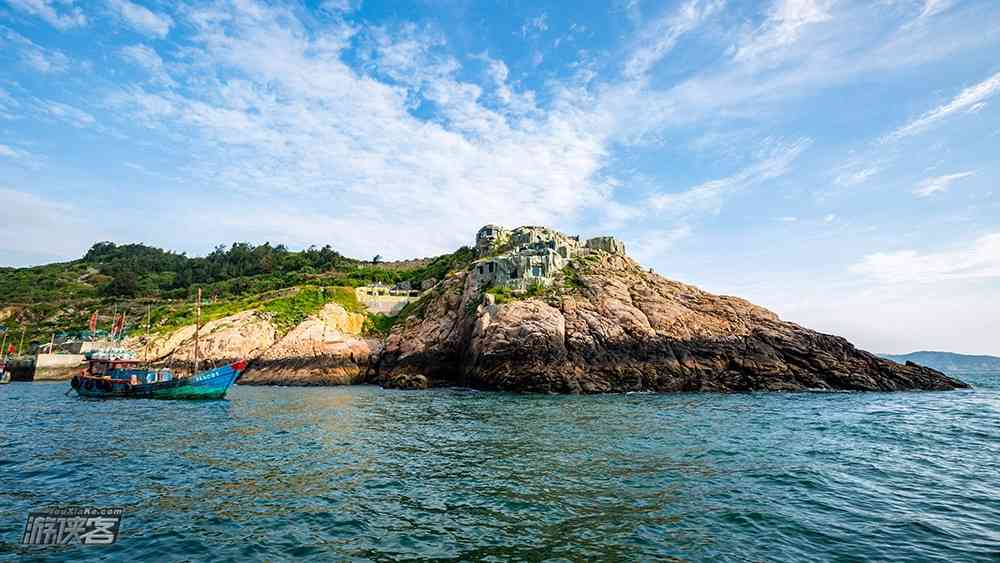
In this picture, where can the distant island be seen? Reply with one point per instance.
(948, 361)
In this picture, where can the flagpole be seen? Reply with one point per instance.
(145, 350)
(20, 347)
(111, 333)
(197, 328)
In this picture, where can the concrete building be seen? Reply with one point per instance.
(530, 255)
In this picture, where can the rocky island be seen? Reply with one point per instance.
(540, 311)
(528, 309)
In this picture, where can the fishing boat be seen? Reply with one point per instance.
(128, 379)
(115, 373)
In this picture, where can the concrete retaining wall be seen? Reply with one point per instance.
(54, 367)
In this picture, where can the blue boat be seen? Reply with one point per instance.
(125, 379)
(116, 374)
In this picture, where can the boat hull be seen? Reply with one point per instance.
(211, 384)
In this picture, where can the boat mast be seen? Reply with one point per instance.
(197, 327)
(145, 349)
(20, 346)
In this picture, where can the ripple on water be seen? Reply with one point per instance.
(363, 473)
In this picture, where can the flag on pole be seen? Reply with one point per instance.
(119, 326)
(93, 323)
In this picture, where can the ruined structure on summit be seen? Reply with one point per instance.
(530, 255)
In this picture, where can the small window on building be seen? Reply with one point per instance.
(536, 271)
(480, 269)
(491, 266)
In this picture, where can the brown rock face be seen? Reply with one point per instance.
(613, 327)
(245, 335)
(326, 349)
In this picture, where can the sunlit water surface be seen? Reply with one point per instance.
(364, 473)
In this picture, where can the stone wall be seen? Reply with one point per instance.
(55, 367)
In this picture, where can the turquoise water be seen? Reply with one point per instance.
(367, 474)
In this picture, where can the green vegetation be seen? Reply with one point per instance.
(571, 275)
(58, 298)
(504, 294)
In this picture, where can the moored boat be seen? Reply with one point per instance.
(127, 379)
(115, 373)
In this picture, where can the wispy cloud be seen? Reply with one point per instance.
(655, 243)
(285, 115)
(709, 197)
(981, 259)
(36, 226)
(787, 21)
(7, 151)
(142, 19)
(660, 36)
(33, 55)
(148, 59)
(60, 14)
(971, 97)
(937, 184)
(64, 112)
(852, 175)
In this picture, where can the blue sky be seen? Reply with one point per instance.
(835, 161)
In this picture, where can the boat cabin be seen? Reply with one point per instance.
(128, 370)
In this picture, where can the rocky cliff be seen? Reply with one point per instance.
(325, 349)
(608, 325)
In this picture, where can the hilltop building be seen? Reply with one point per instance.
(530, 255)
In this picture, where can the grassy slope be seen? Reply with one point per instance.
(61, 297)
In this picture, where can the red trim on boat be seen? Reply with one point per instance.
(239, 366)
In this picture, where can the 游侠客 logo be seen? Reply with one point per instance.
(65, 526)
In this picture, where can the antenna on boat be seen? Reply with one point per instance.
(197, 327)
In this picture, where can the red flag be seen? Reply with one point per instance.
(119, 326)
(10, 349)
(93, 323)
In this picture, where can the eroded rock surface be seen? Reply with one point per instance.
(326, 349)
(608, 325)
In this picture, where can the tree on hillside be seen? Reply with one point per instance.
(124, 284)
(376, 259)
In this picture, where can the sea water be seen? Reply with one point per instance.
(361, 473)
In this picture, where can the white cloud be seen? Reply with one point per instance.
(830, 218)
(653, 244)
(36, 226)
(141, 18)
(148, 59)
(709, 197)
(60, 14)
(660, 37)
(536, 24)
(10, 152)
(853, 177)
(937, 184)
(965, 100)
(35, 56)
(64, 112)
(280, 112)
(340, 6)
(787, 21)
(934, 7)
(979, 260)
